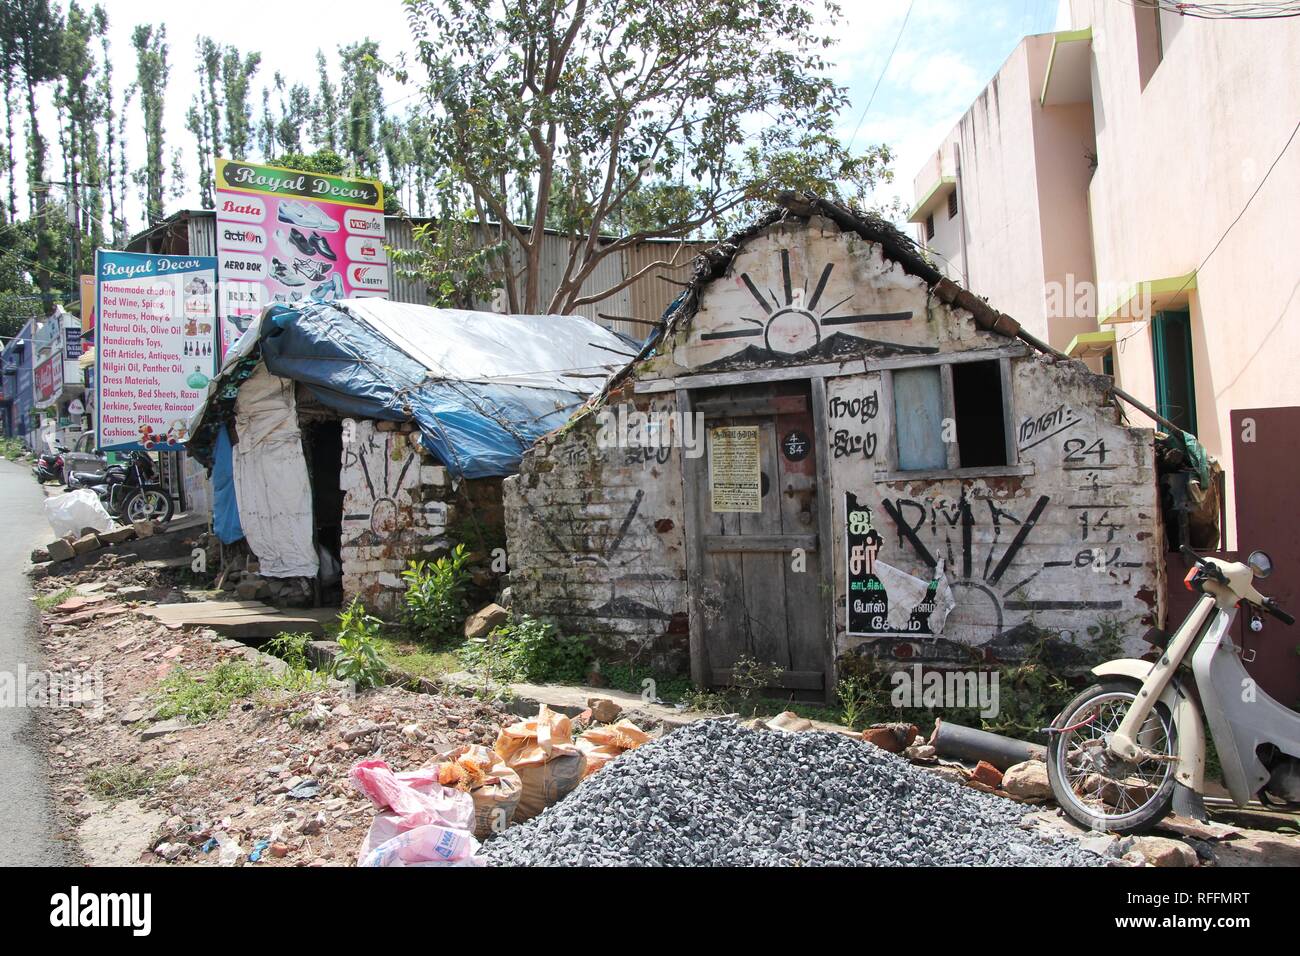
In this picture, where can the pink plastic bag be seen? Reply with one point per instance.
(423, 823)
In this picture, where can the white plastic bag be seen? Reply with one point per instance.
(422, 823)
(69, 513)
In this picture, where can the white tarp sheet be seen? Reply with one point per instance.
(528, 350)
(271, 486)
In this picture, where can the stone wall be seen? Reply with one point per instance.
(595, 542)
(395, 509)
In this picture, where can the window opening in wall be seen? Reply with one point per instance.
(929, 227)
(978, 407)
(951, 416)
(952, 204)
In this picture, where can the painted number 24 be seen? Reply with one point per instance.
(1078, 450)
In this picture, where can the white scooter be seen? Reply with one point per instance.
(1121, 750)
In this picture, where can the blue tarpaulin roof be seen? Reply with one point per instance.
(481, 386)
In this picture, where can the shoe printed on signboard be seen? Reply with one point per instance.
(284, 275)
(322, 247)
(329, 290)
(310, 269)
(309, 217)
(301, 243)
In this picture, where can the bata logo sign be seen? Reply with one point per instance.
(241, 209)
(369, 277)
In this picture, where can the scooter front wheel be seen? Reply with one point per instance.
(1094, 787)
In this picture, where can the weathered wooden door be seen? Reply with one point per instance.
(760, 593)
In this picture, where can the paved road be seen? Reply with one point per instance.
(26, 827)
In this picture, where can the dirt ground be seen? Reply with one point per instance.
(272, 771)
(270, 776)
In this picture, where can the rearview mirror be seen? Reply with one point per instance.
(1260, 563)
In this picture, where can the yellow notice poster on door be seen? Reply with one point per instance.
(735, 479)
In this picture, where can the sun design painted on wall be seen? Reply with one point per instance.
(795, 320)
(373, 510)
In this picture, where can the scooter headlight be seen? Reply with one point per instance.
(1260, 563)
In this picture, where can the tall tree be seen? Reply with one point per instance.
(33, 29)
(363, 101)
(203, 118)
(236, 81)
(665, 116)
(81, 109)
(325, 108)
(151, 76)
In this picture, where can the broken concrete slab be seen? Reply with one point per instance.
(118, 535)
(1162, 851)
(167, 727)
(86, 544)
(242, 619)
(80, 603)
(603, 709)
(1027, 780)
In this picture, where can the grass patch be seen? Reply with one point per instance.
(199, 697)
(417, 659)
(48, 602)
(12, 449)
(128, 781)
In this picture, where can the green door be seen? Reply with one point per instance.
(1171, 344)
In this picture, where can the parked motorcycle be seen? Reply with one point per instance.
(130, 491)
(49, 466)
(1121, 749)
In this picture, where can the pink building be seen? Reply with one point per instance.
(1126, 187)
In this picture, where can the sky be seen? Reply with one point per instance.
(947, 53)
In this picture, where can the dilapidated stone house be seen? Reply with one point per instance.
(834, 451)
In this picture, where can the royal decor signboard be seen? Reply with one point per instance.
(156, 346)
(288, 236)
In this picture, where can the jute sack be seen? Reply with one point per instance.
(541, 751)
(493, 786)
(600, 745)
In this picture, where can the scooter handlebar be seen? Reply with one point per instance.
(1271, 606)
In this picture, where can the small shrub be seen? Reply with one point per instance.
(435, 595)
(529, 650)
(358, 658)
(290, 648)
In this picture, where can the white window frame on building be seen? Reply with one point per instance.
(952, 465)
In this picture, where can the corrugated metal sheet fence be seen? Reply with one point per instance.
(631, 310)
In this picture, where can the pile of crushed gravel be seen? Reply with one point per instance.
(716, 794)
